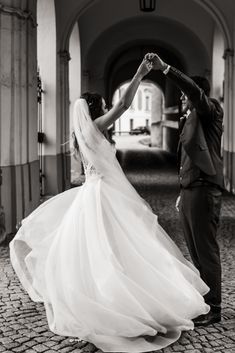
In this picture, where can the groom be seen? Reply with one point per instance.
(201, 179)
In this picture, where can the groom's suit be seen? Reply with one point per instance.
(201, 181)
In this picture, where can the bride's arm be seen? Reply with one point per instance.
(104, 121)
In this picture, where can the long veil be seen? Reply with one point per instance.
(94, 147)
(98, 153)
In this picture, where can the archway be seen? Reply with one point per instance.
(74, 93)
(122, 67)
(197, 62)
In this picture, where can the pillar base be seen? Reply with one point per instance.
(229, 170)
(57, 173)
(19, 195)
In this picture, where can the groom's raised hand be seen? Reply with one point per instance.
(158, 63)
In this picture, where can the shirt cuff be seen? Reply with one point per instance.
(166, 70)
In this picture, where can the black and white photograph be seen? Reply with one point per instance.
(117, 176)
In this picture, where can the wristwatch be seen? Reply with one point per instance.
(166, 70)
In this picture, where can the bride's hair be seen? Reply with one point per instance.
(94, 102)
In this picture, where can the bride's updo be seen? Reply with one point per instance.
(94, 101)
(95, 104)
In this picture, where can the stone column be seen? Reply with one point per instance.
(170, 133)
(56, 152)
(229, 124)
(18, 111)
(156, 118)
(64, 132)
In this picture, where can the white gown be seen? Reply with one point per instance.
(99, 260)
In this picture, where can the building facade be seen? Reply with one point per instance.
(146, 108)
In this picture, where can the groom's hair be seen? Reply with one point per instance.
(203, 83)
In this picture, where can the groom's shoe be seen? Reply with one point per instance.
(207, 319)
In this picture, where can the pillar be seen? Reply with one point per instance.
(229, 125)
(63, 136)
(19, 164)
(170, 133)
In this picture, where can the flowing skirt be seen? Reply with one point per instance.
(105, 269)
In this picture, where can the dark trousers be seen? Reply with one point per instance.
(199, 214)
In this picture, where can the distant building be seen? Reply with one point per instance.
(146, 108)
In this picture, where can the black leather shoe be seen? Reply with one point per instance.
(207, 319)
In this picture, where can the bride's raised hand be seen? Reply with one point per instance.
(144, 68)
(107, 119)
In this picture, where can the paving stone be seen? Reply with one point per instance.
(189, 347)
(40, 348)
(22, 339)
(50, 343)
(20, 349)
(30, 343)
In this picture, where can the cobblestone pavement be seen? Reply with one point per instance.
(23, 324)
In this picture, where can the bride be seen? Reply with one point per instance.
(96, 256)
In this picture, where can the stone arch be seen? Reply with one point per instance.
(213, 10)
(74, 93)
(121, 70)
(195, 59)
(228, 92)
(79, 8)
(218, 18)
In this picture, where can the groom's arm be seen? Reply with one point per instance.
(197, 96)
(204, 106)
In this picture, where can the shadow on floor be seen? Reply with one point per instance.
(154, 159)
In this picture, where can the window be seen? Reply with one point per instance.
(147, 103)
(139, 100)
(131, 124)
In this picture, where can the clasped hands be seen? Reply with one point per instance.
(155, 61)
(152, 62)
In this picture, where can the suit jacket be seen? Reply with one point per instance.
(201, 133)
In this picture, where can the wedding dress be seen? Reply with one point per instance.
(98, 259)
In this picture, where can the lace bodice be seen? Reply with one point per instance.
(89, 168)
(97, 154)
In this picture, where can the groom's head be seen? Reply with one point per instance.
(203, 83)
